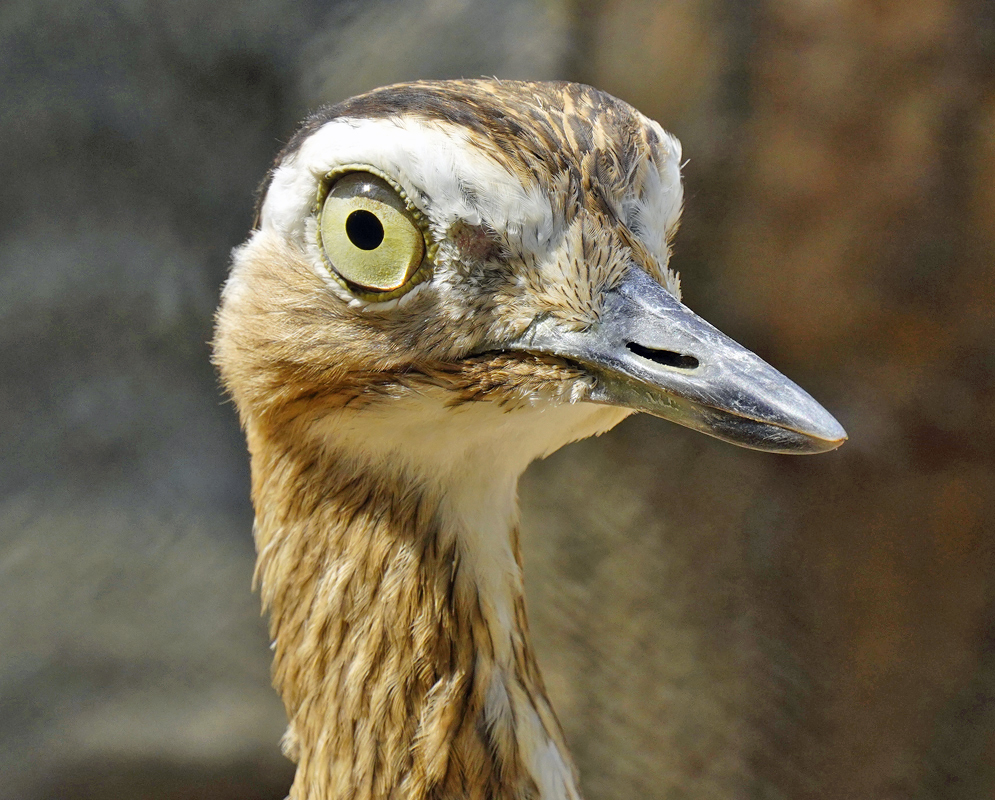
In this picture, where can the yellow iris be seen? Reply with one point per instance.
(370, 237)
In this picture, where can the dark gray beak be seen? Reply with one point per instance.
(652, 353)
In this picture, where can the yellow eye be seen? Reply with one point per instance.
(370, 238)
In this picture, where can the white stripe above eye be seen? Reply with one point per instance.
(437, 164)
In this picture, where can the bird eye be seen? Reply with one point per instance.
(370, 238)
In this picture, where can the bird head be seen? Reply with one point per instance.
(489, 259)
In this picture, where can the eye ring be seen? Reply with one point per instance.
(371, 238)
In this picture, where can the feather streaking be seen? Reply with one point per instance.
(387, 438)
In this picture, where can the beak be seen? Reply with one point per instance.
(650, 352)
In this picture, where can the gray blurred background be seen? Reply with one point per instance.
(713, 622)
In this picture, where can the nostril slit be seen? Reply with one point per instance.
(666, 357)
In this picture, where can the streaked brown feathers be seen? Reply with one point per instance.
(402, 655)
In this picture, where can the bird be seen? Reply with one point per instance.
(445, 281)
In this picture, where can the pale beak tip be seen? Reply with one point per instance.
(827, 436)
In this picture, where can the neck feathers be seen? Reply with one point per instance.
(401, 645)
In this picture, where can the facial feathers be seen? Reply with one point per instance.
(536, 197)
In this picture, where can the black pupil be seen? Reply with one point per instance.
(364, 230)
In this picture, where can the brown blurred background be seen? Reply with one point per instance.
(713, 622)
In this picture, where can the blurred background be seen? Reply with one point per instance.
(713, 622)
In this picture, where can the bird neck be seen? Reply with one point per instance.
(400, 638)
